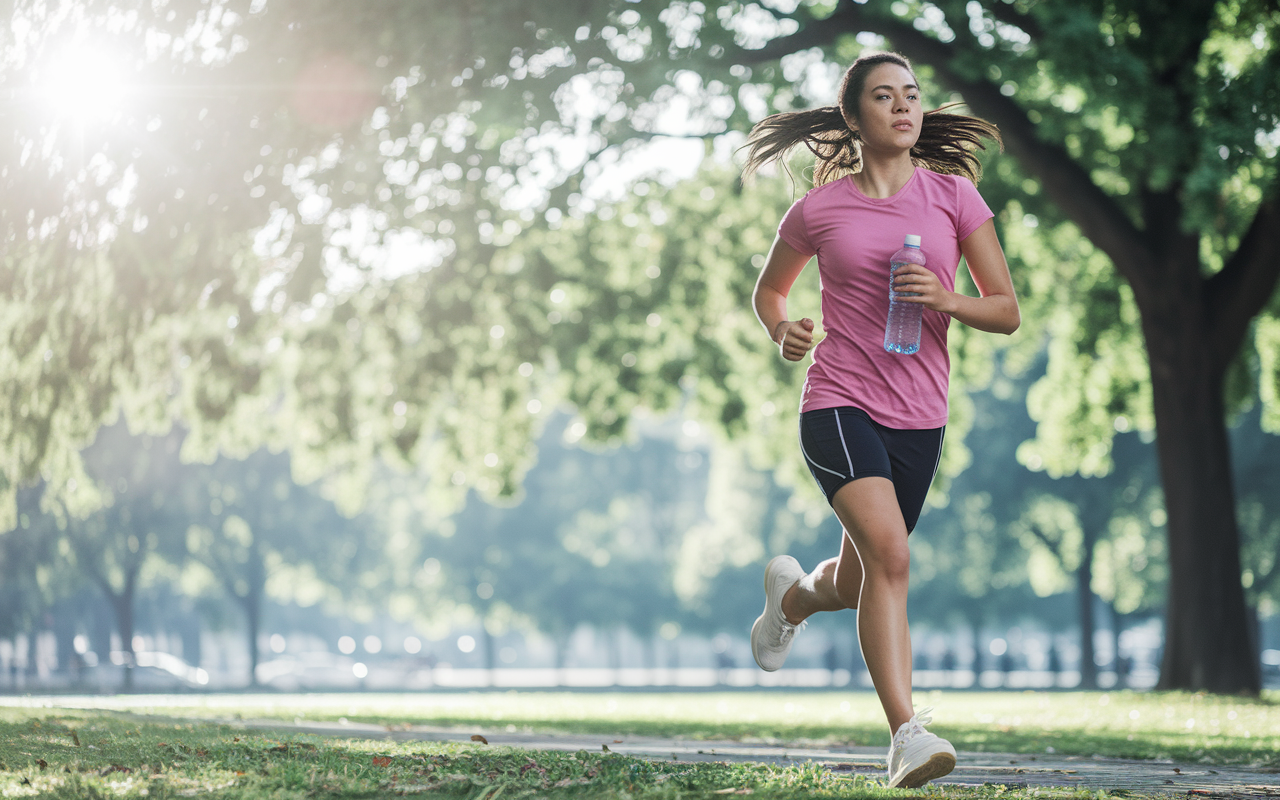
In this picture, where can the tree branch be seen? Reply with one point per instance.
(1050, 545)
(1235, 295)
(1006, 14)
(814, 33)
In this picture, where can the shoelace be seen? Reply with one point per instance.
(789, 631)
(913, 727)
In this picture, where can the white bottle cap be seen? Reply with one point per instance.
(912, 240)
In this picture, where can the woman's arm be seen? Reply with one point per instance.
(996, 311)
(781, 268)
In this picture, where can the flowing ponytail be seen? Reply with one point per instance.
(947, 142)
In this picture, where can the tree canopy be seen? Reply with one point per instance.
(369, 232)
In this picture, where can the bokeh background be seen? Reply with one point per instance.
(408, 344)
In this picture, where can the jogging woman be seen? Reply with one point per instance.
(872, 422)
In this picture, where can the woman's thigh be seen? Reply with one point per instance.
(875, 532)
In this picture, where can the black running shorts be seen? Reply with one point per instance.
(843, 444)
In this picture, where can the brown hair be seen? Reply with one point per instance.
(947, 141)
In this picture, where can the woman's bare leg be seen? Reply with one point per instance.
(832, 586)
(868, 509)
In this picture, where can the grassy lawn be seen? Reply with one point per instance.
(146, 746)
(1184, 727)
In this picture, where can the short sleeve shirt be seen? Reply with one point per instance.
(854, 237)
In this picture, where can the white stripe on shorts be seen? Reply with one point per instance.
(942, 435)
(805, 453)
(843, 443)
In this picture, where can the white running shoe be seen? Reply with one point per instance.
(917, 756)
(772, 635)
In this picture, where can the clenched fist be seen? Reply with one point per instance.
(794, 338)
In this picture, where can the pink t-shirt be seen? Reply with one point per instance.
(854, 237)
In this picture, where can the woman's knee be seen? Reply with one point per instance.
(889, 562)
(868, 509)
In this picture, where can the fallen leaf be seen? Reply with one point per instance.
(1175, 769)
(235, 739)
(381, 761)
(202, 753)
(617, 741)
(475, 737)
(43, 764)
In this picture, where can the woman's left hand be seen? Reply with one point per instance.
(921, 281)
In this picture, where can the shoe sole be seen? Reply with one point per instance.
(755, 627)
(939, 764)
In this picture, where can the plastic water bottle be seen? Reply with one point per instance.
(902, 332)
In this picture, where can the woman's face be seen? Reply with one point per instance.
(889, 110)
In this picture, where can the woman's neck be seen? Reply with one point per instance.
(882, 178)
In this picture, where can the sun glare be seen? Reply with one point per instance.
(84, 83)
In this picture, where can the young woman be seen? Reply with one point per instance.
(872, 422)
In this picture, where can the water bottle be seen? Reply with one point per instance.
(902, 332)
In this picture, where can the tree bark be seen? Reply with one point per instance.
(1207, 641)
(251, 601)
(123, 605)
(490, 653)
(1084, 595)
(252, 604)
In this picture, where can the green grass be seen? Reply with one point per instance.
(1184, 727)
(161, 747)
(85, 754)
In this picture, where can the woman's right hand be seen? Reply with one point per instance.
(794, 338)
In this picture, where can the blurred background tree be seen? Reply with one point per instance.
(405, 234)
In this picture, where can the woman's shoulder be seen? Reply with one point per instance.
(826, 193)
(957, 187)
(942, 178)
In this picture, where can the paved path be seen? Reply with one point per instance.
(972, 769)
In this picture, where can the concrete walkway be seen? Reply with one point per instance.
(972, 769)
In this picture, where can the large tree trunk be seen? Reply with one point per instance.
(252, 604)
(1084, 595)
(123, 605)
(490, 653)
(1207, 641)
